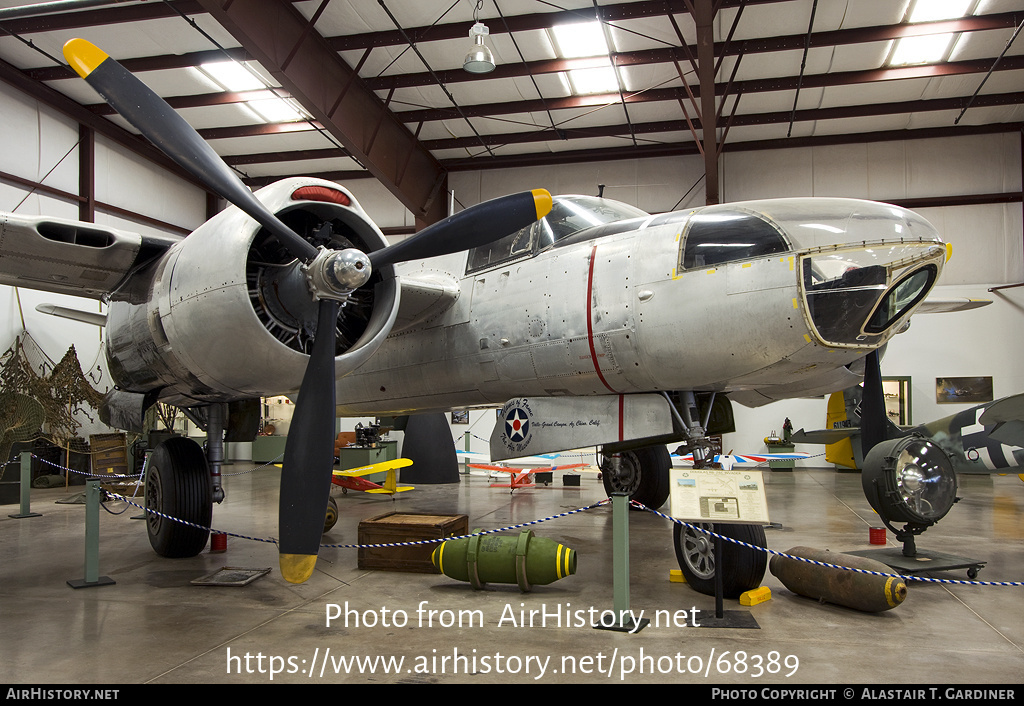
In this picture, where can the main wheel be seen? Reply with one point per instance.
(743, 567)
(178, 486)
(642, 473)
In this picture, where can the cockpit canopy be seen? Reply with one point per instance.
(569, 215)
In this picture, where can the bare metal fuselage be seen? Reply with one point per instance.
(618, 315)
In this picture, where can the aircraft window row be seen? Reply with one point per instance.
(723, 236)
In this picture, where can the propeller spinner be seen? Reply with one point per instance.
(332, 276)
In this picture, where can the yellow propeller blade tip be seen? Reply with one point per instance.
(297, 568)
(84, 56)
(542, 202)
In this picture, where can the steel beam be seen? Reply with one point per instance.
(280, 38)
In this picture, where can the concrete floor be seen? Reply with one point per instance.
(153, 626)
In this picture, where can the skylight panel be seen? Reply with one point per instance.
(935, 10)
(927, 49)
(233, 76)
(580, 39)
(276, 110)
(932, 48)
(597, 80)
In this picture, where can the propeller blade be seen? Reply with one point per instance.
(158, 122)
(873, 427)
(467, 229)
(309, 456)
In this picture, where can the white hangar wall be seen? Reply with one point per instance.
(41, 145)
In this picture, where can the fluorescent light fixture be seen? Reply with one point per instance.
(233, 76)
(927, 49)
(935, 10)
(599, 80)
(579, 39)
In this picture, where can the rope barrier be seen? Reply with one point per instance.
(641, 506)
(602, 503)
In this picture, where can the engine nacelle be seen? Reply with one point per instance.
(228, 315)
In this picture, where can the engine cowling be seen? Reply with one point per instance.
(227, 313)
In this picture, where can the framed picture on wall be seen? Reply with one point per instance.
(460, 416)
(963, 389)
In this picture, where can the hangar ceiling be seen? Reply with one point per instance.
(382, 93)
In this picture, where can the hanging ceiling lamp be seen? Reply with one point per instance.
(479, 60)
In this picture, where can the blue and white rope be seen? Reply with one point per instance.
(601, 503)
(271, 540)
(641, 506)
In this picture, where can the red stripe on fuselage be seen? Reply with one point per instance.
(590, 326)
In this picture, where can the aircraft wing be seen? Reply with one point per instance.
(823, 436)
(71, 257)
(942, 306)
(424, 296)
(1008, 416)
(375, 468)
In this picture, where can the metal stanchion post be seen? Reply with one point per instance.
(92, 540)
(26, 487)
(620, 569)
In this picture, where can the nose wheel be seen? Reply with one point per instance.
(742, 566)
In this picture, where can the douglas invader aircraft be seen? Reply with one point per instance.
(590, 322)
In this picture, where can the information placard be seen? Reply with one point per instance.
(714, 495)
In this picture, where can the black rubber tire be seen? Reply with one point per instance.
(644, 476)
(178, 485)
(743, 567)
(331, 518)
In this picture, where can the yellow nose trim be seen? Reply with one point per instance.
(542, 202)
(83, 56)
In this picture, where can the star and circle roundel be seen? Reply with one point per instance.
(517, 424)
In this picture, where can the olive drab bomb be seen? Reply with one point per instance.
(871, 593)
(526, 560)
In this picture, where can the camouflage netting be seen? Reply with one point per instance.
(41, 400)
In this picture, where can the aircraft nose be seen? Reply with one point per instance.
(856, 296)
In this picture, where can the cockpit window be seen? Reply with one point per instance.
(569, 215)
(572, 214)
(727, 236)
(510, 247)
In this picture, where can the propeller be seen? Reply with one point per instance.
(333, 275)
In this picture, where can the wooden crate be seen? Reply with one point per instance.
(394, 527)
(109, 454)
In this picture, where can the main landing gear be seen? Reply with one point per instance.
(178, 486)
(183, 482)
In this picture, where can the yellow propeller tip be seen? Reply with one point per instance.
(297, 568)
(542, 202)
(83, 56)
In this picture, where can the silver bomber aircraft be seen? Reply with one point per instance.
(590, 321)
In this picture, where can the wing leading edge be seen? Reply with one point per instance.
(71, 257)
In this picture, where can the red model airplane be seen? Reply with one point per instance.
(521, 476)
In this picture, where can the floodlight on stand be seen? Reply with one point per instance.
(479, 60)
(911, 480)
